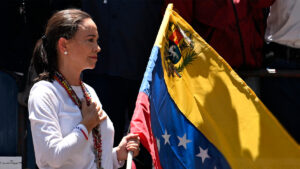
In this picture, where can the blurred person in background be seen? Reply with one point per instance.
(281, 94)
(234, 28)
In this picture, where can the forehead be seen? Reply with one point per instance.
(87, 26)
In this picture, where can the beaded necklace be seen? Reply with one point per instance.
(96, 131)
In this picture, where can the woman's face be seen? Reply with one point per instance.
(83, 47)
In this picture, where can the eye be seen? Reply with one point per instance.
(91, 40)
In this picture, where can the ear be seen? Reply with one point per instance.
(62, 45)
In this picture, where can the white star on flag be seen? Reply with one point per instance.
(158, 144)
(183, 141)
(166, 136)
(203, 154)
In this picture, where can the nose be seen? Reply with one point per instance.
(98, 49)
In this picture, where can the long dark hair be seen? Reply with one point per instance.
(64, 24)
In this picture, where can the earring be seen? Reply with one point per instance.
(65, 52)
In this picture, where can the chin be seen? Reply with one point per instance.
(91, 66)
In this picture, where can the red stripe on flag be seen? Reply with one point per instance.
(141, 125)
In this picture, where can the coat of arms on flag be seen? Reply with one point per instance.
(178, 49)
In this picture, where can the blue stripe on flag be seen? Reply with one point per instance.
(169, 126)
(145, 86)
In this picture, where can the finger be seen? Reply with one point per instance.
(102, 118)
(134, 140)
(93, 104)
(92, 108)
(132, 144)
(134, 149)
(132, 136)
(100, 111)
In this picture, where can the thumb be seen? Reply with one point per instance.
(83, 103)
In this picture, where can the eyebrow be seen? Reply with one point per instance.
(91, 35)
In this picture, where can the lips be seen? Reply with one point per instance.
(94, 57)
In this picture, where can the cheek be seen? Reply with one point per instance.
(78, 52)
(83, 49)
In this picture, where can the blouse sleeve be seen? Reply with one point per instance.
(51, 148)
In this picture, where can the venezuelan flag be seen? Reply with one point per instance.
(194, 111)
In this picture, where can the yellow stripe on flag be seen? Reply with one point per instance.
(220, 104)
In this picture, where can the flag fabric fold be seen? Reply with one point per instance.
(194, 111)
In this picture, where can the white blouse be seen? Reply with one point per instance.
(57, 138)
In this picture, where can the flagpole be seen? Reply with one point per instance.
(129, 160)
(129, 155)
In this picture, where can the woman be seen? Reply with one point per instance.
(69, 128)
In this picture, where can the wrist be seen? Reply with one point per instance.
(116, 160)
(118, 153)
(88, 127)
